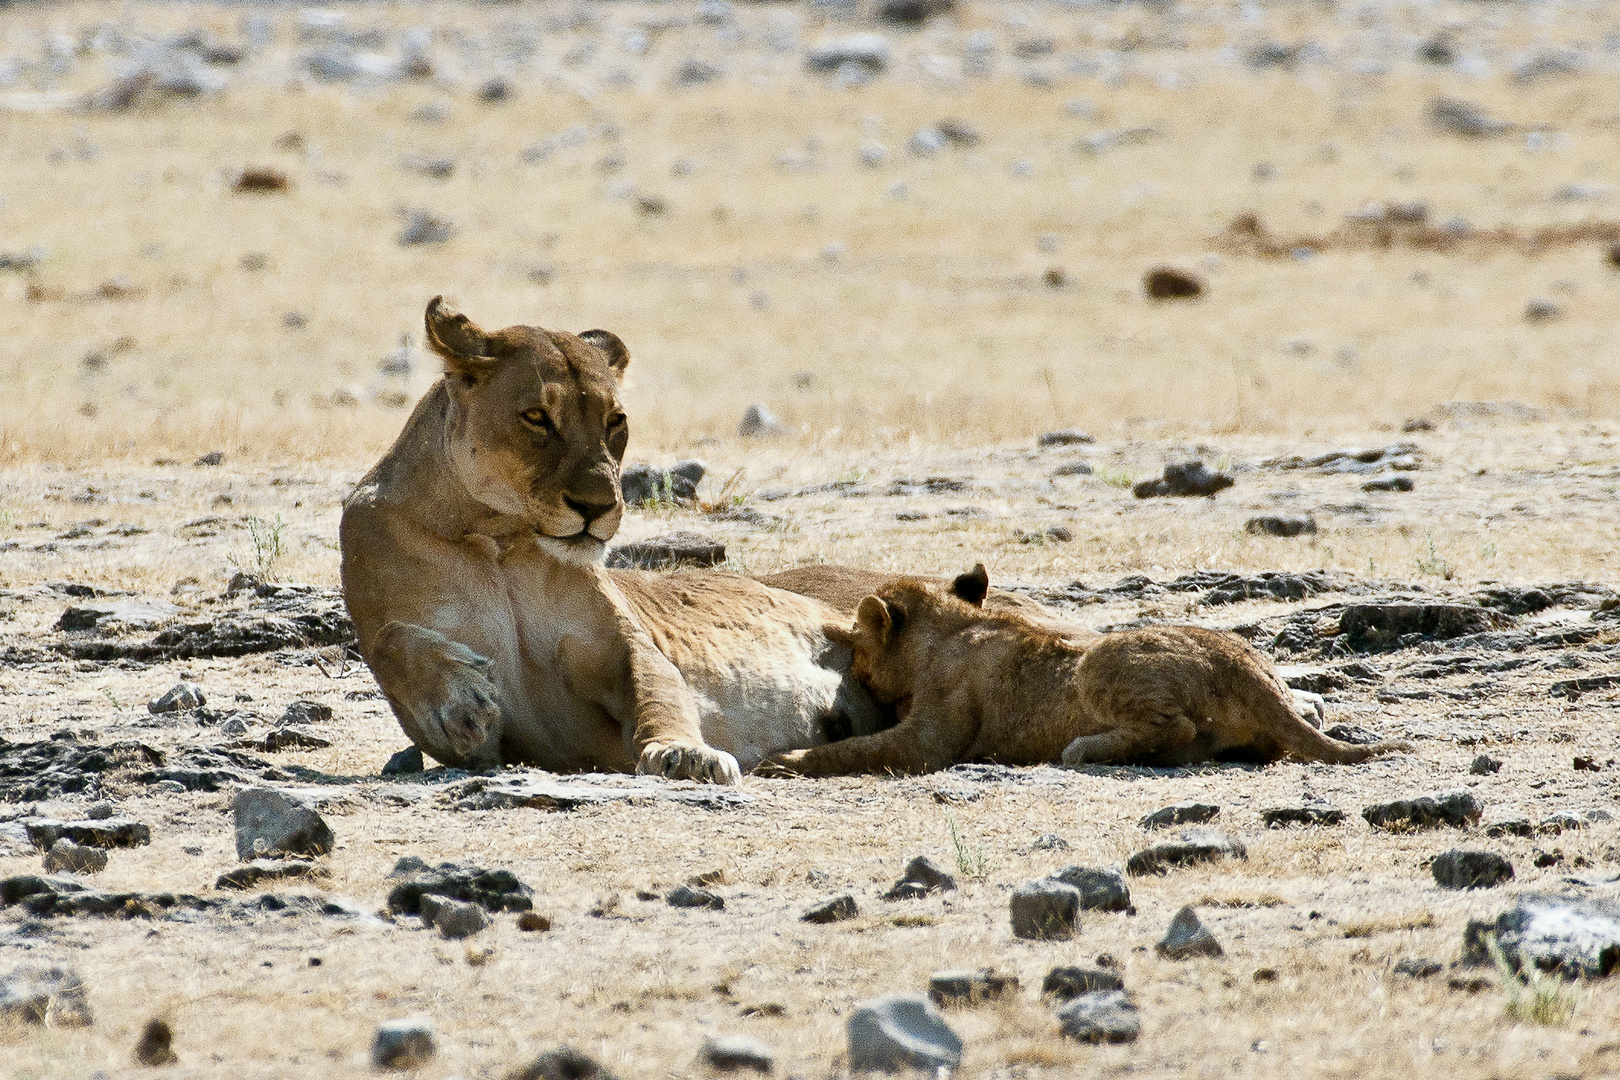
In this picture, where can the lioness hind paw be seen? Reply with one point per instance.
(704, 764)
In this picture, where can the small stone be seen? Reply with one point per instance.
(969, 987)
(1181, 813)
(1194, 846)
(1562, 821)
(456, 920)
(1107, 1016)
(1418, 967)
(758, 422)
(1465, 118)
(271, 823)
(1512, 827)
(1458, 810)
(156, 1047)
(233, 727)
(1274, 525)
(733, 1053)
(1460, 869)
(642, 483)
(1045, 842)
(66, 856)
(1187, 937)
(1100, 890)
(422, 227)
(105, 833)
(1169, 283)
(563, 1063)
(495, 90)
(100, 811)
(1045, 910)
(261, 870)
(1183, 479)
(179, 698)
(305, 712)
(900, 1031)
(1541, 310)
(407, 865)
(260, 179)
(1311, 814)
(868, 52)
(688, 896)
(1065, 983)
(532, 922)
(1484, 765)
(493, 890)
(837, 909)
(44, 995)
(1389, 483)
(211, 459)
(407, 762)
(402, 1044)
(922, 876)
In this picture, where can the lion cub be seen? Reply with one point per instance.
(977, 685)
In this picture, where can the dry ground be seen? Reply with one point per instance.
(898, 337)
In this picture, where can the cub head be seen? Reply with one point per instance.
(897, 626)
(535, 429)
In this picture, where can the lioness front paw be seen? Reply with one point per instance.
(468, 711)
(783, 765)
(689, 761)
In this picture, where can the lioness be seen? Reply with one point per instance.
(471, 565)
(977, 684)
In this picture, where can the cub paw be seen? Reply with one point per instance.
(781, 766)
(689, 761)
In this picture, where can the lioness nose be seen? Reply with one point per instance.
(591, 509)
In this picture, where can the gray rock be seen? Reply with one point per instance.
(1104, 1016)
(1311, 814)
(1418, 967)
(691, 896)
(1484, 765)
(837, 909)
(66, 856)
(456, 920)
(1378, 627)
(1540, 309)
(156, 1047)
(100, 811)
(233, 727)
(261, 870)
(422, 227)
(900, 1031)
(1569, 935)
(305, 712)
(180, 697)
(1510, 827)
(493, 890)
(1065, 983)
(1558, 822)
(1182, 813)
(1458, 810)
(867, 51)
(44, 995)
(733, 1053)
(563, 1063)
(1275, 525)
(1466, 119)
(117, 616)
(402, 1044)
(1194, 846)
(1044, 910)
(1045, 842)
(1461, 869)
(407, 762)
(922, 877)
(642, 483)
(104, 833)
(967, 987)
(758, 422)
(1185, 479)
(1187, 937)
(271, 823)
(1066, 437)
(1389, 483)
(1100, 890)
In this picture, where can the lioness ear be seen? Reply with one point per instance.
(618, 356)
(452, 335)
(972, 586)
(880, 619)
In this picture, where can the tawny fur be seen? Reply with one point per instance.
(471, 566)
(985, 685)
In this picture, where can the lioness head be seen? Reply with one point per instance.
(535, 429)
(895, 626)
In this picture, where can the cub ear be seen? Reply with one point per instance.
(879, 619)
(618, 357)
(972, 586)
(462, 345)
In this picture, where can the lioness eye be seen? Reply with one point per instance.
(615, 421)
(537, 418)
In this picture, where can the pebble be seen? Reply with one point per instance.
(690, 896)
(1187, 937)
(179, 698)
(758, 422)
(901, 1031)
(156, 1046)
(1194, 846)
(456, 920)
(837, 909)
(34, 994)
(966, 987)
(1541, 310)
(922, 877)
(869, 52)
(100, 811)
(1106, 1016)
(1066, 437)
(422, 227)
(1462, 869)
(66, 856)
(1484, 765)
(1389, 483)
(532, 922)
(563, 1063)
(1044, 910)
(734, 1053)
(271, 823)
(1064, 983)
(407, 762)
(402, 1044)
(1073, 468)
(1181, 813)
(1458, 810)
(1100, 890)
(1274, 525)
(1169, 283)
